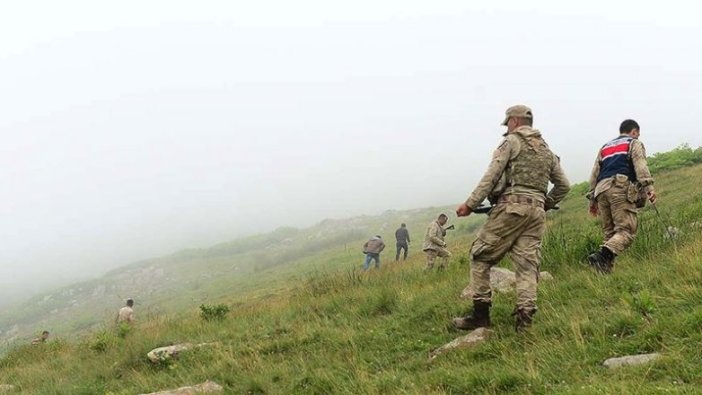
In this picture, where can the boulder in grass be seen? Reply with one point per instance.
(470, 340)
(164, 353)
(205, 388)
(503, 280)
(631, 360)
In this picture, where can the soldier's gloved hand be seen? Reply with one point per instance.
(594, 210)
(463, 210)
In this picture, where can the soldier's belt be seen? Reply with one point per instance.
(521, 200)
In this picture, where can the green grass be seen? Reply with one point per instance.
(321, 326)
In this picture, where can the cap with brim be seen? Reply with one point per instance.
(519, 111)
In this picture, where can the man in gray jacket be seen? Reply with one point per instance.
(372, 248)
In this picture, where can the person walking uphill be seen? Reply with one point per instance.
(516, 223)
(402, 238)
(372, 248)
(618, 179)
(434, 244)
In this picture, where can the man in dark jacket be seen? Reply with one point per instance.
(403, 239)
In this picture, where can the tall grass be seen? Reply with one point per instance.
(350, 332)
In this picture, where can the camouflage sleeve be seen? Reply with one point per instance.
(560, 182)
(638, 158)
(499, 161)
(593, 177)
(435, 235)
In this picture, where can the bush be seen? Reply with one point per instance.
(681, 156)
(213, 312)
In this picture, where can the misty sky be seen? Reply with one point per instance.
(131, 129)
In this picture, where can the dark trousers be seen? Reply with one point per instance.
(400, 247)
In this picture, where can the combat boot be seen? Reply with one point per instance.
(523, 319)
(602, 260)
(479, 319)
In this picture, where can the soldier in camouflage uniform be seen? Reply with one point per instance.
(434, 244)
(41, 339)
(126, 313)
(516, 223)
(619, 183)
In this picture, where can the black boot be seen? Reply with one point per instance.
(523, 319)
(479, 319)
(602, 260)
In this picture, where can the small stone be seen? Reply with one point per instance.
(470, 340)
(630, 360)
(672, 233)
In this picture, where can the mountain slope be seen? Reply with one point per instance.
(350, 332)
(260, 264)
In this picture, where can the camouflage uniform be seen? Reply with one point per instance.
(125, 314)
(434, 245)
(616, 197)
(516, 224)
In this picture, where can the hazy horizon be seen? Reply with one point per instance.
(133, 130)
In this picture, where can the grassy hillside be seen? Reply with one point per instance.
(338, 330)
(239, 270)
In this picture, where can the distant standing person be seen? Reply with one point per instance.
(372, 248)
(403, 239)
(41, 339)
(619, 175)
(126, 313)
(434, 244)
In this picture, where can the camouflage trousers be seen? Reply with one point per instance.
(442, 253)
(617, 210)
(516, 229)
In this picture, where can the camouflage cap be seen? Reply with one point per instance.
(520, 111)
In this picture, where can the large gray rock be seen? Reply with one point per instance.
(164, 353)
(470, 340)
(503, 280)
(630, 360)
(204, 388)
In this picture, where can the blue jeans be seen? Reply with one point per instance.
(375, 257)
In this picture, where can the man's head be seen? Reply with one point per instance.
(45, 335)
(516, 116)
(378, 236)
(442, 219)
(630, 127)
(130, 302)
(403, 225)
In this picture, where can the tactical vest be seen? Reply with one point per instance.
(531, 168)
(616, 159)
